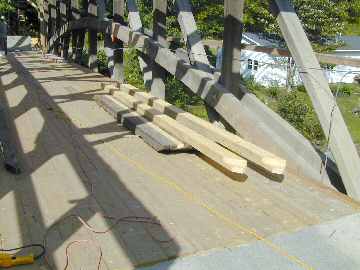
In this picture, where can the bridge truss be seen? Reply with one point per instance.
(64, 23)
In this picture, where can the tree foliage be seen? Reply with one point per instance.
(6, 7)
(354, 11)
(322, 19)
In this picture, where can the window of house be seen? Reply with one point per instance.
(250, 64)
(256, 65)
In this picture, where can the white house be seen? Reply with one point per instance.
(272, 70)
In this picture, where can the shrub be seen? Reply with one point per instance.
(252, 85)
(344, 90)
(273, 91)
(102, 62)
(132, 70)
(301, 88)
(178, 94)
(84, 57)
(295, 109)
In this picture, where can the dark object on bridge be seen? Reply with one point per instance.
(7, 152)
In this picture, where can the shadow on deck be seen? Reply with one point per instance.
(140, 240)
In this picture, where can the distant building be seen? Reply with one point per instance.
(276, 70)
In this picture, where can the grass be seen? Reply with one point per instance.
(270, 96)
(352, 29)
(347, 104)
(266, 95)
(198, 110)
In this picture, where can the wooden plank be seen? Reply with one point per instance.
(44, 19)
(326, 108)
(268, 211)
(247, 115)
(136, 25)
(157, 84)
(230, 75)
(65, 18)
(322, 57)
(196, 49)
(250, 151)
(80, 35)
(75, 15)
(337, 60)
(191, 35)
(52, 19)
(215, 152)
(151, 134)
(58, 23)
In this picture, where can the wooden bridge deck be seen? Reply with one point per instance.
(78, 161)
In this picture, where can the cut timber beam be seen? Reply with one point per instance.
(197, 52)
(251, 152)
(150, 133)
(243, 111)
(215, 152)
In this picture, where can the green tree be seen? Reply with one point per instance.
(6, 7)
(322, 19)
(354, 11)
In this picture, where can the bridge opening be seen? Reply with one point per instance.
(116, 177)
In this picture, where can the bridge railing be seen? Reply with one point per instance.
(226, 99)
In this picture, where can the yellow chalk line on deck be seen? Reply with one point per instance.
(219, 215)
(227, 220)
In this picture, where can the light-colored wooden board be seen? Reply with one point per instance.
(151, 134)
(75, 140)
(248, 150)
(215, 152)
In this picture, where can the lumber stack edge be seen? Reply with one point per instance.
(227, 140)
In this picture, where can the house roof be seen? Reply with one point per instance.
(259, 39)
(352, 43)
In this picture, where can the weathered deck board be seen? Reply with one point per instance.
(66, 141)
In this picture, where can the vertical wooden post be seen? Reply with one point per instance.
(197, 51)
(118, 12)
(316, 84)
(44, 18)
(157, 87)
(107, 36)
(59, 43)
(52, 21)
(81, 34)
(230, 70)
(75, 15)
(191, 35)
(136, 25)
(65, 18)
(62, 22)
(92, 63)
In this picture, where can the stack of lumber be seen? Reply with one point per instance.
(151, 134)
(227, 149)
